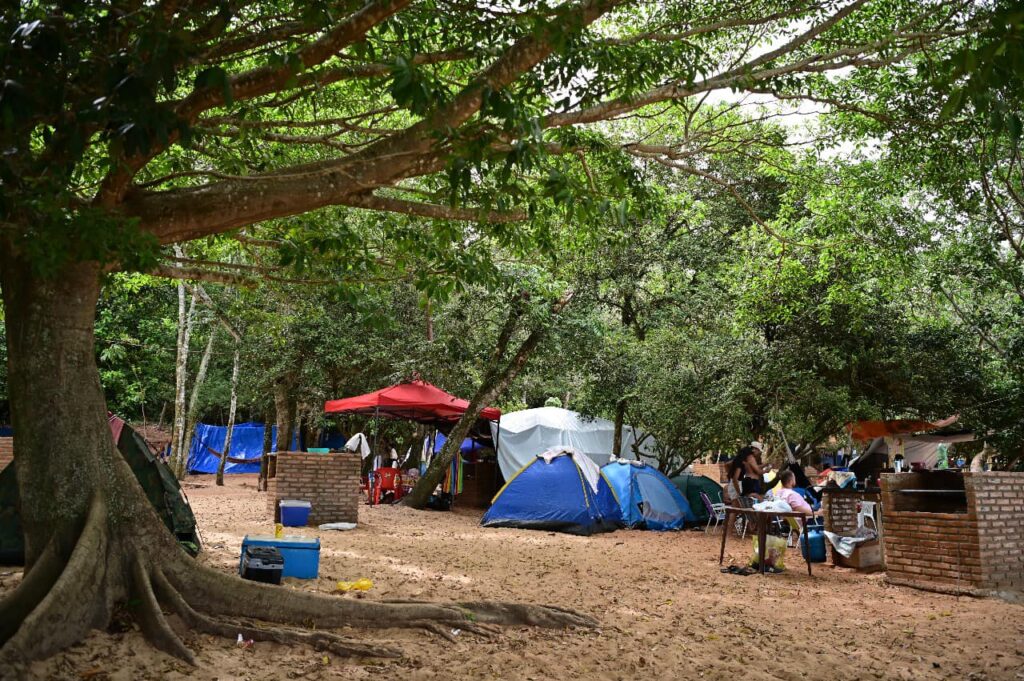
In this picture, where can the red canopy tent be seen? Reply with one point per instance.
(415, 401)
(869, 430)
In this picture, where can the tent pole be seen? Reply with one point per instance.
(376, 432)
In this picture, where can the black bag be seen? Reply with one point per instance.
(262, 564)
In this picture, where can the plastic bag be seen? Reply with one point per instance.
(774, 553)
(362, 584)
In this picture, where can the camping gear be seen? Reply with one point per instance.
(337, 526)
(301, 554)
(295, 513)
(318, 450)
(865, 557)
(521, 434)
(715, 511)
(452, 481)
(646, 497)
(261, 564)
(559, 490)
(159, 484)
(246, 448)
(691, 487)
(812, 544)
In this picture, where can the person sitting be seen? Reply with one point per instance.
(791, 496)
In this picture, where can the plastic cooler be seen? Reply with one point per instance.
(295, 513)
(301, 554)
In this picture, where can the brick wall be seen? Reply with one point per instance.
(998, 502)
(328, 481)
(6, 451)
(839, 509)
(980, 549)
(719, 472)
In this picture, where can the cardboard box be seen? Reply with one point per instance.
(867, 557)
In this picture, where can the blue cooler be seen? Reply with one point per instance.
(294, 513)
(301, 554)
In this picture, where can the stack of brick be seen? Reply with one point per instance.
(978, 547)
(839, 510)
(6, 451)
(719, 472)
(330, 482)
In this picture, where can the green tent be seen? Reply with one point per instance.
(691, 486)
(160, 485)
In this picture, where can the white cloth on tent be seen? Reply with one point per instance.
(591, 471)
(357, 443)
(521, 435)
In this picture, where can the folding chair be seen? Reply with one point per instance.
(715, 511)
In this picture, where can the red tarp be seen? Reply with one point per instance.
(868, 430)
(415, 401)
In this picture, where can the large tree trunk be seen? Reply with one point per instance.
(231, 420)
(268, 446)
(103, 545)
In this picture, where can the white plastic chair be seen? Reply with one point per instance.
(867, 512)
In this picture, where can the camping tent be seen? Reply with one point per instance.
(522, 434)
(158, 483)
(469, 445)
(646, 497)
(560, 490)
(246, 448)
(691, 486)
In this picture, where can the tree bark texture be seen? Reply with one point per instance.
(231, 419)
(284, 409)
(102, 546)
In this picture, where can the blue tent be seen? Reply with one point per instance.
(246, 443)
(647, 498)
(555, 495)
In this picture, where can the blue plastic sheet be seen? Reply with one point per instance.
(246, 443)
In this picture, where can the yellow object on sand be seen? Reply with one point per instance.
(361, 584)
(278, 530)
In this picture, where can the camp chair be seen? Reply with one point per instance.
(715, 511)
(383, 482)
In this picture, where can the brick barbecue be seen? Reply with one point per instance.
(328, 481)
(953, 531)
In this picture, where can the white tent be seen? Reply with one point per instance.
(522, 435)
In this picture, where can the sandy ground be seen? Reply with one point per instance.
(666, 612)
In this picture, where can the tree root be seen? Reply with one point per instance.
(60, 600)
(319, 640)
(152, 621)
(78, 601)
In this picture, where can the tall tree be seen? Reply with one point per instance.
(130, 129)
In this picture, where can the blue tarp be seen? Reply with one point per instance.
(333, 440)
(468, 445)
(554, 496)
(647, 498)
(246, 443)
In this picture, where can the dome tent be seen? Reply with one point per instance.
(560, 490)
(646, 497)
(691, 486)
